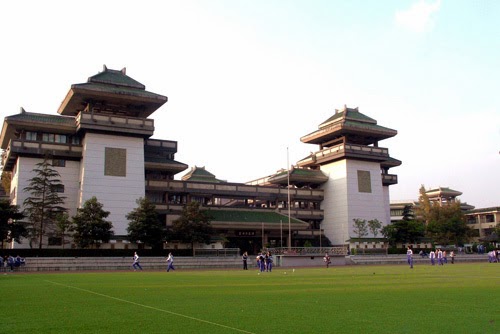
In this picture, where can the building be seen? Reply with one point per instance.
(101, 145)
(483, 220)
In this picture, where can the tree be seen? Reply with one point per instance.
(403, 231)
(90, 225)
(374, 225)
(11, 226)
(44, 203)
(145, 225)
(447, 224)
(6, 180)
(360, 228)
(193, 226)
(63, 227)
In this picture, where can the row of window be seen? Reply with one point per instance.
(52, 137)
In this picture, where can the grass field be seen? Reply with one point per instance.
(460, 298)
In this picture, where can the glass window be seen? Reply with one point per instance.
(30, 135)
(59, 163)
(48, 137)
(60, 139)
(58, 188)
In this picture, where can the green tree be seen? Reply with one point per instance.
(193, 226)
(145, 225)
(90, 225)
(63, 227)
(360, 228)
(374, 225)
(44, 203)
(11, 226)
(447, 224)
(6, 180)
(403, 231)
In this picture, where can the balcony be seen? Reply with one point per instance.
(345, 151)
(389, 179)
(113, 123)
(20, 147)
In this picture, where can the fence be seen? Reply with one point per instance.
(209, 252)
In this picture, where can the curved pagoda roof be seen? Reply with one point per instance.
(442, 192)
(299, 177)
(111, 91)
(350, 123)
(200, 174)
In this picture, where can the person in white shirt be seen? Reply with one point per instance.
(409, 256)
(170, 261)
(432, 256)
(440, 257)
(136, 263)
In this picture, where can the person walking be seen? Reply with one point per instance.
(327, 260)
(245, 261)
(269, 262)
(136, 263)
(452, 256)
(170, 261)
(432, 256)
(409, 256)
(440, 257)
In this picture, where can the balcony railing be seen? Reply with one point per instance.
(26, 147)
(114, 123)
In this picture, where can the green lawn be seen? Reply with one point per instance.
(460, 298)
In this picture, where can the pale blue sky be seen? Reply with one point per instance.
(247, 79)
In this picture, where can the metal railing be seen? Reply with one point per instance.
(309, 251)
(221, 252)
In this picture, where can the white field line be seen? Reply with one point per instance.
(153, 308)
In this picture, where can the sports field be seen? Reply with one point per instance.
(459, 298)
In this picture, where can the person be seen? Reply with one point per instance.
(440, 257)
(1, 262)
(452, 256)
(245, 261)
(432, 256)
(409, 256)
(136, 263)
(327, 260)
(170, 261)
(269, 262)
(445, 257)
(10, 262)
(262, 264)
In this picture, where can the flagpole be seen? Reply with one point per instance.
(288, 187)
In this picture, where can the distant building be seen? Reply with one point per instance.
(101, 145)
(482, 220)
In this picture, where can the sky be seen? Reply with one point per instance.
(246, 79)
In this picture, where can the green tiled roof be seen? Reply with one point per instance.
(267, 217)
(103, 88)
(348, 113)
(200, 174)
(115, 77)
(41, 118)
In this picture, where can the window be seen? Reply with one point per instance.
(55, 241)
(58, 188)
(59, 163)
(48, 137)
(61, 139)
(75, 140)
(30, 135)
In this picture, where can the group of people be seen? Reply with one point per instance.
(11, 262)
(264, 261)
(137, 265)
(440, 256)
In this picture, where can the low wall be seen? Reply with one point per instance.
(417, 259)
(123, 263)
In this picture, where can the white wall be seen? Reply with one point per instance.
(343, 202)
(117, 194)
